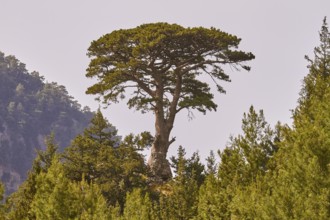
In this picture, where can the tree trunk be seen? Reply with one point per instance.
(158, 164)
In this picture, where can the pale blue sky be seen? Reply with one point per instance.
(52, 38)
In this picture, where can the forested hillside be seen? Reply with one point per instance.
(30, 109)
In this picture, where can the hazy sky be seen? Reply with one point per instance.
(52, 38)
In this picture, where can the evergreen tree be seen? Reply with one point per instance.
(138, 206)
(59, 198)
(81, 157)
(212, 200)
(162, 63)
(192, 167)
(256, 145)
(317, 80)
(210, 197)
(298, 185)
(181, 202)
(246, 158)
(19, 203)
(98, 156)
(211, 166)
(302, 178)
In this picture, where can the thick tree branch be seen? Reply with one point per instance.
(175, 100)
(142, 84)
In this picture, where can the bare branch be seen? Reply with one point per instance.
(172, 140)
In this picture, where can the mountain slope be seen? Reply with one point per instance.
(31, 109)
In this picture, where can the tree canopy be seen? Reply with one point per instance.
(162, 61)
(162, 64)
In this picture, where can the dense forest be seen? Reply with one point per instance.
(30, 109)
(266, 172)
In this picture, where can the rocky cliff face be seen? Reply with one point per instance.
(30, 110)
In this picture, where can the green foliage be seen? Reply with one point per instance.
(297, 185)
(264, 173)
(211, 166)
(59, 198)
(317, 80)
(182, 200)
(160, 64)
(191, 167)
(142, 54)
(248, 154)
(256, 145)
(138, 206)
(140, 141)
(2, 211)
(212, 201)
(98, 157)
(31, 109)
(242, 163)
(306, 150)
(2, 191)
(82, 156)
(19, 203)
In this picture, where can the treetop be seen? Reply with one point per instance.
(162, 61)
